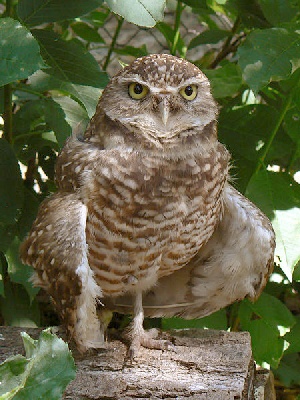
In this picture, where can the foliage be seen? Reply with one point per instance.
(44, 373)
(50, 86)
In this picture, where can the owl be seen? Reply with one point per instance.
(144, 220)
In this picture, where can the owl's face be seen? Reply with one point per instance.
(161, 99)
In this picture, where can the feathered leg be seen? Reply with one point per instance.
(140, 337)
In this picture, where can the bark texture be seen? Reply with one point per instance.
(205, 364)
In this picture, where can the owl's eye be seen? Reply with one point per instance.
(137, 91)
(189, 92)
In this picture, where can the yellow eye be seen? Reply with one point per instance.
(189, 92)
(137, 91)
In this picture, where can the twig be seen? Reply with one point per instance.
(113, 43)
(274, 132)
(228, 47)
(179, 9)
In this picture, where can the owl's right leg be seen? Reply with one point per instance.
(56, 248)
(139, 336)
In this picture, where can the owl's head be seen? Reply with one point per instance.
(161, 99)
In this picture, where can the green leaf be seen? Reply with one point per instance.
(86, 32)
(29, 211)
(97, 18)
(195, 3)
(36, 12)
(263, 319)
(217, 320)
(249, 12)
(75, 115)
(140, 12)
(68, 61)
(277, 11)
(133, 51)
(245, 131)
(269, 55)
(43, 374)
(212, 36)
(16, 307)
(55, 118)
(7, 233)
(11, 187)
(88, 96)
(293, 337)
(169, 33)
(278, 195)
(18, 272)
(20, 53)
(225, 81)
(288, 370)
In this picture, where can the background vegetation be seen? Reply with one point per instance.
(50, 82)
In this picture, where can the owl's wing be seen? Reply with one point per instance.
(56, 248)
(235, 263)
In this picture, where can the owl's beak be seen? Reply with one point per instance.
(164, 108)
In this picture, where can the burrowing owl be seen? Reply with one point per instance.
(144, 218)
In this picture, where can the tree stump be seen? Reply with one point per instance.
(206, 364)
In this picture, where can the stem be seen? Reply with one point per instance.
(273, 132)
(227, 47)
(113, 43)
(179, 9)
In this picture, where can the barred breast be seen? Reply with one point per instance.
(148, 218)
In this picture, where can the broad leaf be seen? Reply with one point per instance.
(217, 320)
(55, 118)
(43, 374)
(278, 195)
(20, 53)
(68, 61)
(36, 12)
(11, 187)
(288, 371)
(225, 81)
(263, 319)
(88, 96)
(75, 115)
(18, 272)
(86, 32)
(269, 55)
(29, 211)
(140, 12)
(212, 36)
(245, 131)
(16, 307)
(293, 337)
(277, 11)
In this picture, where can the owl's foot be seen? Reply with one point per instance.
(149, 340)
(139, 337)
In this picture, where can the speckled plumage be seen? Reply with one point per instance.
(144, 209)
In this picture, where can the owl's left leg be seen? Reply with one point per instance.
(138, 335)
(56, 247)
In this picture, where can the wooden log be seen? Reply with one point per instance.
(206, 364)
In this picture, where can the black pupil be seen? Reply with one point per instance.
(188, 90)
(138, 88)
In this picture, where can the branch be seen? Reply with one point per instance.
(228, 47)
(113, 43)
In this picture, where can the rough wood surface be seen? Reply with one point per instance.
(207, 364)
